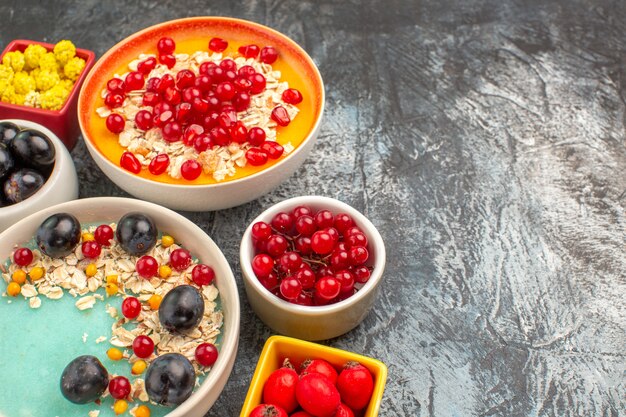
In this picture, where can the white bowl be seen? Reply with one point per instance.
(61, 186)
(313, 322)
(110, 209)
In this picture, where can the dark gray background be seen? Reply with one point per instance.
(485, 139)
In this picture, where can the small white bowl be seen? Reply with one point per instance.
(313, 322)
(110, 209)
(61, 186)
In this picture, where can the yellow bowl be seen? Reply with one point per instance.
(277, 348)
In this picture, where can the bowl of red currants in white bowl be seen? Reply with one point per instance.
(312, 266)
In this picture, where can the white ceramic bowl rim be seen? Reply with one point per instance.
(168, 186)
(59, 147)
(376, 245)
(229, 342)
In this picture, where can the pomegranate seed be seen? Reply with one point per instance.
(219, 136)
(150, 98)
(206, 354)
(190, 170)
(230, 75)
(242, 84)
(306, 276)
(116, 85)
(147, 266)
(203, 83)
(214, 103)
(303, 245)
(327, 287)
(290, 288)
(168, 60)
(249, 51)
(256, 136)
(204, 67)
(185, 78)
(159, 164)
(166, 45)
(190, 93)
(23, 256)
(346, 280)
(362, 274)
(183, 112)
(228, 65)
(143, 346)
(241, 101)
(131, 307)
(292, 96)
(153, 84)
(147, 65)
(191, 133)
(217, 44)
(119, 387)
(225, 91)
(227, 117)
(199, 105)
(134, 81)
(280, 116)
(324, 219)
(104, 234)
(358, 255)
(143, 119)
(276, 245)
(167, 81)
(302, 211)
(322, 243)
(172, 96)
(340, 259)
(246, 71)
(202, 275)
(356, 239)
(216, 74)
(161, 119)
(256, 156)
(161, 108)
(172, 131)
(262, 265)
(290, 262)
(238, 132)
(269, 55)
(115, 123)
(274, 149)
(305, 225)
(114, 100)
(201, 143)
(91, 249)
(258, 83)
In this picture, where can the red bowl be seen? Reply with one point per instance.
(64, 122)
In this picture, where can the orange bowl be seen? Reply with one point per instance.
(202, 194)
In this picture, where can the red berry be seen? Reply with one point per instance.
(185, 78)
(238, 132)
(147, 266)
(305, 225)
(134, 81)
(225, 91)
(290, 262)
(290, 288)
(159, 164)
(324, 219)
(340, 259)
(262, 265)
(301, 413)
(153, 84)
(228, 65)
(283, 222)
(171, 131)
(246, 71)
(241, 101)
(129, 162)
(258, 83)
(280, 116)
(322, 243)
(274, 149)
(166, 45)
(180, 259)
(167, 81)
(319, 366)
(269, 55)
(280, 389)
(343, 222)
(191, 133)
(143, 119)
(131, 307)
(268, 410)
(104, 234)
(356, 239)
(91, 249)
(292, 96)
(114, 100)
(261, 231)
(23, 256)
(346, 279)
(276, 245)
(249, 51)
(202, 143)
(202, 275)
(191, 169)
(150, 99)
(147, 65)
(206, 354)
(303, 245)
(302, 211)
(355, 384)
(119, 387)
(334, 234)
(306, 276)
(358, 255)
(217, 44)
(256, 136)
(116, 85)
(304, 299)
(270, 282)
(256, 156)
(327, 287)
(343, 411)
(143, 346)
(172, 96)
(168, 60)
(115, 123)
(317, 395)
(362, 274)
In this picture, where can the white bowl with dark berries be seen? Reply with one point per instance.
(208, 112)
(312, 266)
(36, 170)
(151, 294)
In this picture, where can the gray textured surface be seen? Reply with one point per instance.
(486, 140)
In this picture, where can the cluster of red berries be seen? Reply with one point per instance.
(310, 258)
(317, 391)
(198, 108)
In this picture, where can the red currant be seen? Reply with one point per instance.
(147, 266)
(180, 259)
(292, 96)
(328, 287)
(206, 354)
(191, 169)
(131, 307)
(290, 262)
(362, 274)
(261, 231)
(129, 162)
(358, 255)
(302, 211)
(166, 45)
(324, 219)
(256, 136)
(104, 234)
(91, 249)
(280, 116)
(23, 256)
(116, 85)
(115, 123)
(305, 225)
(334, 234)
(356, 239)
(256, 156)
(217, 44)
(290, 288)
(340, 259)
(119, 387)
(283, 222)
(343, 222)
(147, 65)
(270, 282)
(346, 279)
(262, 265)
(143, 346)
(276, 245)
(143, 119)
(114, 100)
(159, 164)
(304, 299)
(352, 230)
(306, 276)
(322, 243)
(269, 55)
(249, 51)
(202, 275)
(303, 245)
(134, 81)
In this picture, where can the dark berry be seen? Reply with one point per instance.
(84, 380)
(58, 235)
(170, 379)
(136, 233)
(181, 308)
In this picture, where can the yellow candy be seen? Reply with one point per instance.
(120, 407)
(111, 289)
(91, 270)
(142, 411)
(155, 301)
(32, 55)
(73, 68)
(14, 60)
(138, 367)
(46, 79)
(115, 354)
(54, 98)
(165, 271)
(19, 276)
(48, 62)
(23, 83)
(32, 99)
(36, 273)
(64, 51)
(88, 237)
(10, 96)
(167, 241)
(13, 289)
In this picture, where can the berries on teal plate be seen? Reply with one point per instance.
(136, 233)
(181, 308)
(84, 380)
(58, 235)
(170, 379)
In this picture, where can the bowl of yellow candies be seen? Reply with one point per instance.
(40, 82)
